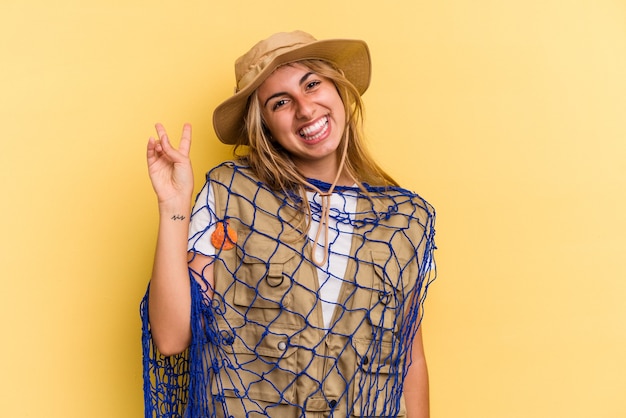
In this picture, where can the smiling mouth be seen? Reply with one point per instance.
(314, 131)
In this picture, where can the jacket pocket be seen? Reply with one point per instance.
(259, 363)
(378, 380)
(261, 283)
(387, 296)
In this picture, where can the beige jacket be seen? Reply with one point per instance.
(274, 355)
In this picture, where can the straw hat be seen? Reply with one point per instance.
(351, 56)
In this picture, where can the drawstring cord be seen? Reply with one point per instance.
(325, 215)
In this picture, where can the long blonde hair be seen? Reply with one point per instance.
(273, 165)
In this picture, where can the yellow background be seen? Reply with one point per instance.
(509, 116)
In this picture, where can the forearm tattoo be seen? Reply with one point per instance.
(178, 218)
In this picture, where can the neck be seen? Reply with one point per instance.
(329, 176)
(329, 171)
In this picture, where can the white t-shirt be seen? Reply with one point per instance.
(340, 230)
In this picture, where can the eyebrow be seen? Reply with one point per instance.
(303, 79)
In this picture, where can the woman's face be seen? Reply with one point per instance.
(306, 116)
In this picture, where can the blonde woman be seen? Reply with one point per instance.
(294, 287)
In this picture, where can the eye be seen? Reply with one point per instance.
(278, 104)
(312, 84)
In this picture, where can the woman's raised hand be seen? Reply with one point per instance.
(170, 168)
(170, 297)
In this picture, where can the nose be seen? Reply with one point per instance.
(305, 108)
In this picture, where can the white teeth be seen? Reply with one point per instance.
(314, 131)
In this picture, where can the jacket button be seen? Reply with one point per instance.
(282, 346)
(332, 403)
(365, 360)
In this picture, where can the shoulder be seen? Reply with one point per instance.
(227, 170)
(399, 199)
(237, 174)
(236, 180)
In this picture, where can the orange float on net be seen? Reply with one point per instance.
(224, 239)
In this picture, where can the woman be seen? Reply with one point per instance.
(296, 288)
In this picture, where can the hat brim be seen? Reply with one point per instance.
(350, 55)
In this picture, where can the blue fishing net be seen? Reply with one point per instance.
(282, 332)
